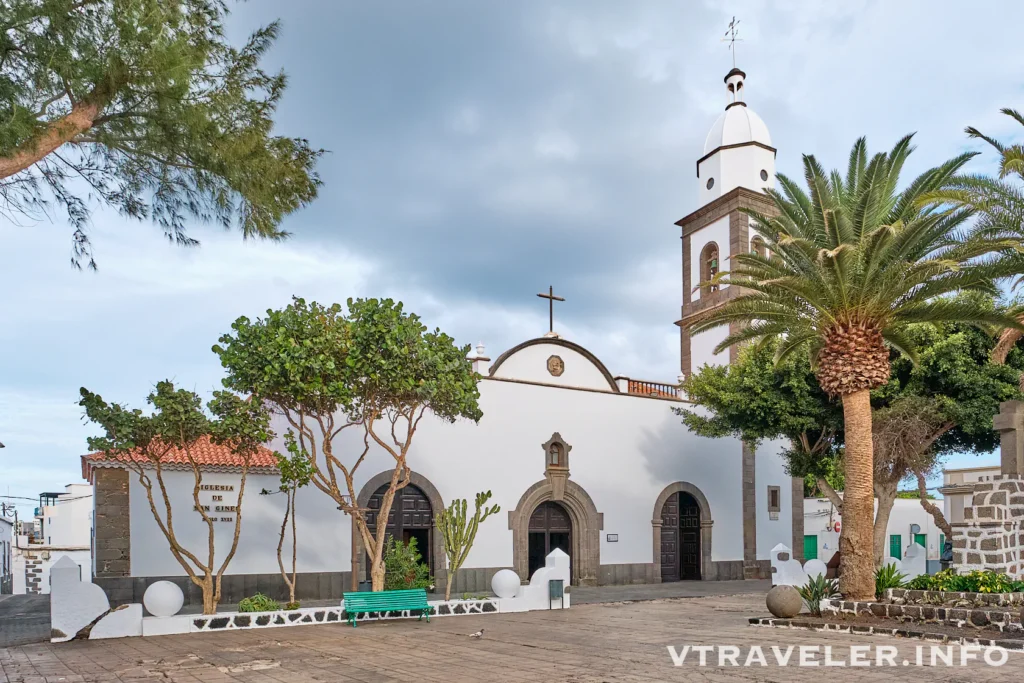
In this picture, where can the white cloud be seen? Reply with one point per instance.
(557, 145)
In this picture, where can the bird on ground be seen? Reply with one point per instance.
(478, 634)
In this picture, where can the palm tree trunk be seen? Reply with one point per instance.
(857, 576)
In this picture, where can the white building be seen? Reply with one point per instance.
(64, 529)
(6, 554)
(580, 459)
(908, 523)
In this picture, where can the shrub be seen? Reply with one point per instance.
(887, 577)
(258, 603)
(402, 566)
(817, 589)
(922, 582)
(292, 605)
(976, 581)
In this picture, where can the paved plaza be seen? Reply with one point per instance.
(609, 642)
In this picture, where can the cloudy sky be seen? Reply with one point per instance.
(480, 151)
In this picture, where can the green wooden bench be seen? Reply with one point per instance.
(414, 600)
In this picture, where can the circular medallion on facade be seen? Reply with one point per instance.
(556, 366)
(711, 183)
(764, 174)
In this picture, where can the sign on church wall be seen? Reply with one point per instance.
(223, 510)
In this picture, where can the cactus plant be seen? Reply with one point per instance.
(459, 532)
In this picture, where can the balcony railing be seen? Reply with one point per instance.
(639, 387)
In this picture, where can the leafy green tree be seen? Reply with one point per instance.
(459, 532)
(375, 370)
(144, 106)
(756, 399)
(852, 261)
(145, 444)
(296, 473)
(943, 404)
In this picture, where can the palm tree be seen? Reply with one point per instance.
(999, 203)
(851, 262)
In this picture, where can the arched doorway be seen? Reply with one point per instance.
(667, 519)
(411, 517)
(585, 525)
(680, 538)
(550, 528)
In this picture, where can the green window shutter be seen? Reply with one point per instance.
(810, 547)
(942, 542)
(922, 540)
(896, 546)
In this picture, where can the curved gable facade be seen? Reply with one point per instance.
(555, 361)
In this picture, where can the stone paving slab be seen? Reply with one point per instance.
(24, 619)
(609, 643)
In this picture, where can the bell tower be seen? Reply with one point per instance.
(738, 163)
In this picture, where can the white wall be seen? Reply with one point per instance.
(83, 558)
(702, 348)
(324, 532)
(735, 167)
(68, 523)
(625, 451)
(769, 470)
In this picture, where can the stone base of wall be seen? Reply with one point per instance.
(738, 570)
(234, 587)
(471, 580)
(624, 574)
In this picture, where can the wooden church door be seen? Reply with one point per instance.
(680, 538)
(550, 528)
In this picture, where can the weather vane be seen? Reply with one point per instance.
(730, 37)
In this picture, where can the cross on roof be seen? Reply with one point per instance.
(550, 296)
(730, 37)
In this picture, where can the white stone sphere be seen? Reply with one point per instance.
(163, 599)
(505, 583)
(815, 568)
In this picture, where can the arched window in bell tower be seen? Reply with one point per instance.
(708, 267)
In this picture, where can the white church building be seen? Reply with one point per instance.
(577, 457)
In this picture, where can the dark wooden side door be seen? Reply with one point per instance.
(410, 517)
(670, 539)
(689, 537)
(550, 528)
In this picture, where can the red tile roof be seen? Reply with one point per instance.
(206, 454)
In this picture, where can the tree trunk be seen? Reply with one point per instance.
(857, 580)
(933, 510)
(886, 493)
(830, 493)
(377, 575)
(448, 586)
(209, 596)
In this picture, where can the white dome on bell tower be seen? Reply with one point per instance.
(738, 150)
